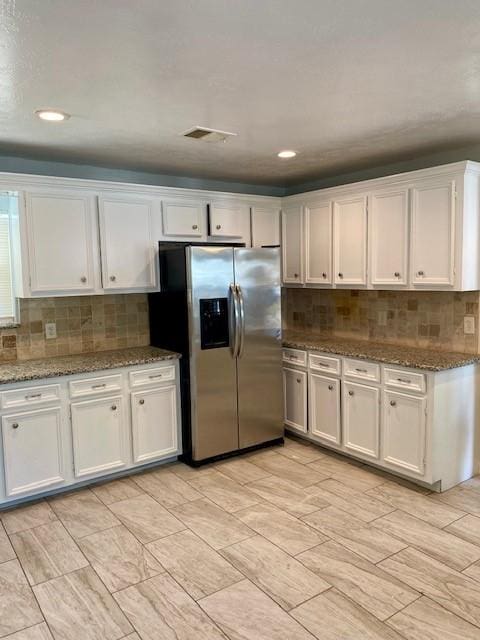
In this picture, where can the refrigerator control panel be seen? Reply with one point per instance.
(214, 327)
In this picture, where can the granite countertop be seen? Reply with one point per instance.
(21, 371)
(387, 353)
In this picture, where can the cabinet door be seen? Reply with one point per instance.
(99, 435)
(32, 449)
(154, 423)
(404, 431)
(295, 399)
(292, 245)
(318, 231)
(388, 225)
(324, 408)
(62, 243)
(361, 419)
(225, 220)
(182, 218)
(433, 234)
(128, 254)
(265, 227)
(350, 246)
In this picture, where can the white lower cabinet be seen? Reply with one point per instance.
(154, 423)
(32, 451)
(404, 431)
(99, 436)
(324, 408)
(361, 418)
(295, 399)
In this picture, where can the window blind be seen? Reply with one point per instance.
(8, 305)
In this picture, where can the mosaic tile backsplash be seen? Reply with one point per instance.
(433, 320)
(84, 324)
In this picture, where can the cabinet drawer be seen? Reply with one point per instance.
(401, 379)
(361, 370)
(95, 386)
(295, 356)
(151, 376)
(326, 364)
(30, 396)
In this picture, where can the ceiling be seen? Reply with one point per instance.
(346, 83)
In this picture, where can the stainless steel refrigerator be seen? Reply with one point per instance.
(220, 307)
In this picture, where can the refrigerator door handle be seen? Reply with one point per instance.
(234, 322)
(242, 321)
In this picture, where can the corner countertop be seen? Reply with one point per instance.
(387, 353)
(53, 367)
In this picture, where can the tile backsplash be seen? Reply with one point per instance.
(414, 318)
(84, 324)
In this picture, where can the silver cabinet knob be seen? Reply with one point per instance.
(114, 407)
(340, 275)
(15, 425)
(324, 275)
(299, 380)
(218, 227)
(83, 279)
(350, 393)
(194, 227)
(330, 387)
(420, 273)
(397, 274)
(142, 401)
(393, 403)
(295, 275)
(113, 278)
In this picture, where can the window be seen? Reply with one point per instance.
(8, 217)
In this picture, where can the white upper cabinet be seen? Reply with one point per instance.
(292, 245)
(350, 241)
(265, 226)
(127, 244)
(433, 234)
(318, 245)
(229, 220)
(388, 237)
(183, 219)
(61, 241)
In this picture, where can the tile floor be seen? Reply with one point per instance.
(283, 544)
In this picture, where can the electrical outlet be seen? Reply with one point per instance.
(382, 318)
(469, 325)
(50, 330)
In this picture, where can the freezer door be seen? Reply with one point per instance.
(213, 375)
(259, 370)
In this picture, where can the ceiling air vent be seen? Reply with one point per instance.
(207, 135)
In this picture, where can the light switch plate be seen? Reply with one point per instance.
(469, 325)
(50, 330)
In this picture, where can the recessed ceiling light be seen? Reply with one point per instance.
(52, 115)
(287, 154)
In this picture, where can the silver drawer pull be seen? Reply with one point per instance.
(299, 380)
(194, 227)
(157, 375)
(323, 364)
(142, 401)
(15, 425)
(393, 403)
(350, 393)
(114, 407)
(330, 387)
(361, 370)
(404, 380)
(33, 396)
(99, 386)
(218, 227)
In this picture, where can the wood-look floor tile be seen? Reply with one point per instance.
(82, 513)
(224, 492)
(452, 590)
(37, 632)
(47, 551)
(195, 566)
(301, 452)
(367, 541)
(467, 528)
(21, 518)
(461, 497)
(473, 571)
(435, 513)
(355, 477)
(132, 636)
(288, 496)
(78, 605)
(116, 490)
(439, 544)
(331, 616)
(146, 518)
(119, 558)
(159, 609)
(246, 613)
(362, 581)
(186, 472)
(300, 474)
(283, 578)
(18, 608)
(166, 487)
(357, 504)
(6, 549)
(241, 470)
(332, 464)
(281, 528)
(426, 620)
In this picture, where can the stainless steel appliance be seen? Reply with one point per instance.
(220, 307)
